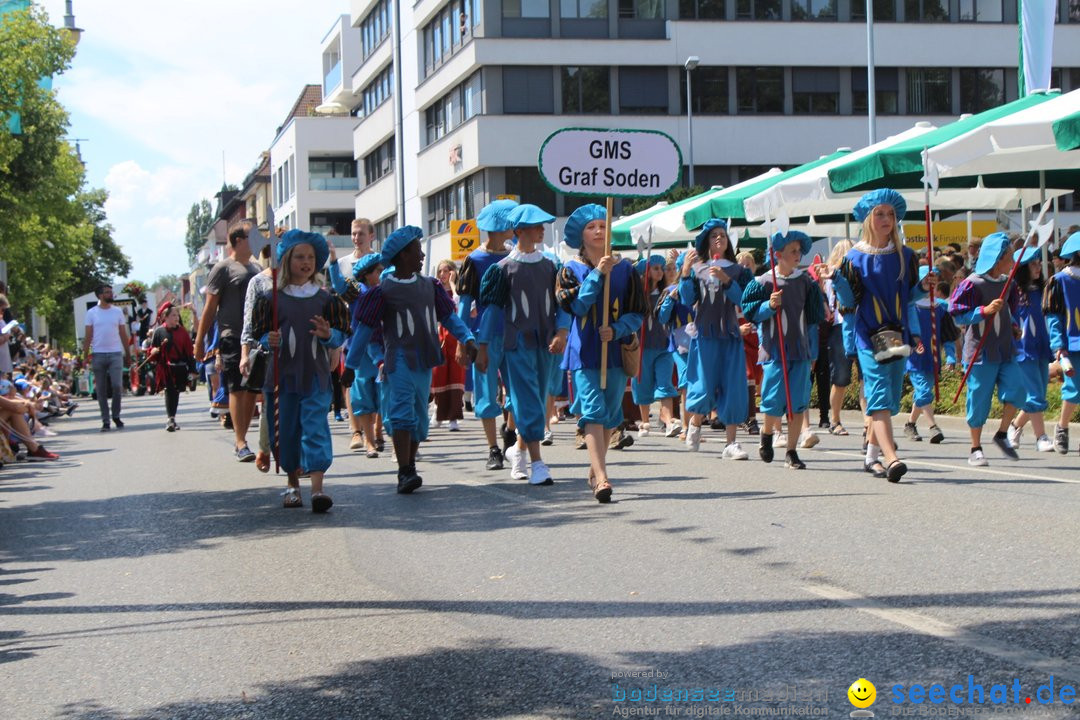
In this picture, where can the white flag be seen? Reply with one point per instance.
(1036, 45)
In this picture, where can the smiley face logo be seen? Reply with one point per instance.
(862, 693)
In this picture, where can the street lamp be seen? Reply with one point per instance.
(69, 23)
(690, 64)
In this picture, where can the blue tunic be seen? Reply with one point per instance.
(626, 309)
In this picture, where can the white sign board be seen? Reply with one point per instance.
(610, 163)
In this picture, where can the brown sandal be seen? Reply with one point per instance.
(601, 491)
(292, 498)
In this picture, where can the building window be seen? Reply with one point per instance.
(981, 11)
(813, 9)
(586, 90)
(379, 90)
(526, 9)
(379, 162)
(884, 10)
(1074, 11)
(383, 228)
(886, 91)
(453, 203)
(447, 32)
(641, 9)
(528, 90)
(929, 91)
(760, 89)
(583, 8)
(981, 89)
(454, 108)
(332, 173)
(701, 9)
(376, 26)
(525, 182)
(643, 90)
(758, 10)
(708, 90)
(926, 10)
(815, 91)
(331, 223)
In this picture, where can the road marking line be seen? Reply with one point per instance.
(966, 467)
(1059, 667)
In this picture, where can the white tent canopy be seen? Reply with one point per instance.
(1023, 141)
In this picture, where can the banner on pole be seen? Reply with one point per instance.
(610, 163)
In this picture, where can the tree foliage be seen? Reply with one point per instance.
(675, 195)
(168, 282)
(199, 221)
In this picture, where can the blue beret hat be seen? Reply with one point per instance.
(529, 216)
(1071, 246)
(884, 196)
(398, 241)
(701, 240)
(365, 264)
(779, 242)
(993, 249)
(575, 224)
(654, 259)
(1026, 255)
(295, 237)
(495, 216)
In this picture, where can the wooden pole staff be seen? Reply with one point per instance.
(610, 208)
(930, 268)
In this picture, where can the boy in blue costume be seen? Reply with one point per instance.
(522, 317)
(920, 365)
(407, 307)
(713, 283)
(364, 390)
(1032, 350)
(494, 221)
(657, 364)
(798, 300)
(1062, 309)
(976, 304)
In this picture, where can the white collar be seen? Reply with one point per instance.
(410, 279)
(865, 247)
(306, 290)
(534, 256)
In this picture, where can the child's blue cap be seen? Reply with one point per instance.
(654, 260)
(779, 242)
(365, 265)
(993, 248)
(295, 237)
(575, 224)
(883, 196)
(1071, 246)
(398, 241)
(524, 216)
(495, 216)
(701, 240)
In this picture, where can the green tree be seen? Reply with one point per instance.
(168, 282)
(677, 193)
(199, 221)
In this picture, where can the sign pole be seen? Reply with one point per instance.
(609, 206)
(930, 268)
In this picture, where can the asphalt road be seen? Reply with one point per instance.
(149, 575)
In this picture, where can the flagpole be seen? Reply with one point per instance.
(610, 208)
(780, 327)
(930, 269)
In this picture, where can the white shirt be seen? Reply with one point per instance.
(345, 264)
(106, 324)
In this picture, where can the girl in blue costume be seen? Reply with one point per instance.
(657, 364)
(1033, 351)
(1062, 308)
(713, 283)
(797, 299)
(876, 284)
(522, 318)
(407, 308)
(679, 319)
(581, 292)
(494, 221)
(364, 391)
(311, 324)
(920, 365)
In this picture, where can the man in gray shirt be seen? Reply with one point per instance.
(226, 287)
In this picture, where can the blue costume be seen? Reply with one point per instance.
(803, 308)
(920, 366)
(581, 293)
(1062, 310)
(522, 316)
(996, 363)
(364, 395)
(716, 363)
(657, 364)
(1033, 347)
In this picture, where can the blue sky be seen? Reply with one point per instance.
(159, 90)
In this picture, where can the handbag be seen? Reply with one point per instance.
(631, 356)
(255, 377)
(888, 345)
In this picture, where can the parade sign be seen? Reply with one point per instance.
(610, 163)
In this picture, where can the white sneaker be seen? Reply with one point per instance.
(1044, 444)
(643, 431)
(693, 437)
(673, 429)
(978, 459)
(780, 441)
(519, 464)
(541, 475)
(1014, 435)
(808, 439)
(734, 451)
(454, 426)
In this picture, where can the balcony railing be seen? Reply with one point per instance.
(334, 183)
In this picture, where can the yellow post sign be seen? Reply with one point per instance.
(464, 238)
(515, 198)
(947, 231)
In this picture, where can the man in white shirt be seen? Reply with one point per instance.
(363, 233)
(107, 341)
